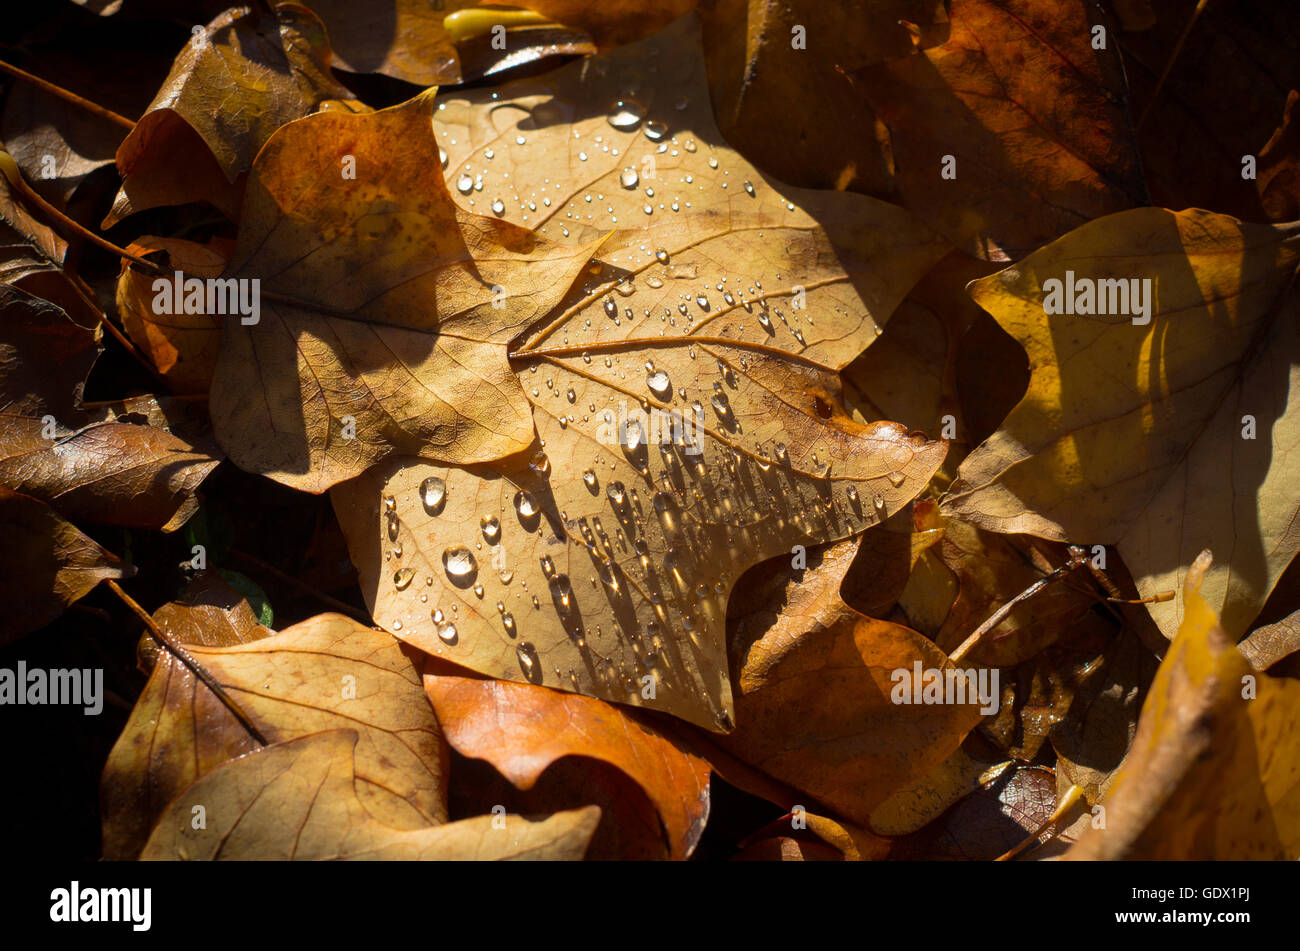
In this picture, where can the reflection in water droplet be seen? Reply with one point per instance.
(661, 255)
(589, 480)
(498, 207)
(447, 632)
(403, 578)
(459, 562)
(491, 526)
(655, 130)
(635, 435)
(562, 594)
(541, 464)
(528, 662)
(879, 502)
(615, 493)
(508, 622)
(464, 184)
(629, 178)
(433, 494)
(525, 505)
(749, 187)
(659, 384)
(852, 493)
(897, 478)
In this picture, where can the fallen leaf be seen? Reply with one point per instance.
(183, 347)
(1267, 645)
(404, 39)
(522, 730)
(240, 78)
(44, 357)
(1031, 115)
(321, 674)
(296, 801)
(387, 311)
(1212, 773)
(814, 685)
(46, 564)
(1131, 434)
(764, 455)
(208, 613)
(111, 473)
(923, 800)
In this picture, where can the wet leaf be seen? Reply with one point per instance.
(296, 800)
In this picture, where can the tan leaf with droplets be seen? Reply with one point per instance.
(1132, 434)
(393, 308)
(1214, 770)
(611, 547)
(296, 800)
(321, 674)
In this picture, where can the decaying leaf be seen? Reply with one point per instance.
(1013, 131)
(1214, 771)
(688, 424)
(325, 673)
(521, 730)
(296, 800)
(395, 309)
(240, 78)
(113, 473)
(815, 695)
(45, 564)
(1160, 437)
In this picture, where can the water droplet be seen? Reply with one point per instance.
(879, 502)
(459, 563)
(713, 163)
(433, 494)
(626, 114)
(464, 184)
(659, 384)
(896, 478)
(615, 493)
(655, 130)
(491, 526)
(528, 662)
(541, 464)
(589, 479)
(447, 633)
(852, 493)
(442, 156)
(548, 565)
(498, 207)
(562, 594)
(654, 282)
(749, 187)
(402, 578)
(661, 255)
(629, 178)
(525, 504)
(611, 308)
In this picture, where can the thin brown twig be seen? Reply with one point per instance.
(1169, 64)
(340, 606)
(174, 648)
(68, 95)
(1077, 557)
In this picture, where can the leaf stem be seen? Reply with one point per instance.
(68, 95)
(174, 647)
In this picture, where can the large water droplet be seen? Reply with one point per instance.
(447, 632)
(659, 384)
(459, 563)
(402, 579)
(498, 207)
(525, 504)
(629, 178)
(464, 184)
(491, 526)
(626, 114)
(528, 662)
(433, 494)
(655, 130)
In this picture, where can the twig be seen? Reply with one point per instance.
(67, 94)
(180, 653)
(1077, 557)
(340, 606)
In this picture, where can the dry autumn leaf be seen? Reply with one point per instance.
(521, 730)
(241, 77)
(47, 564)
(1214, 771)
(297, 801)
(322, 674)
(393, 309)
(1156, 432)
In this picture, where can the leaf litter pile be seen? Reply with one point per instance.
(642, 430)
